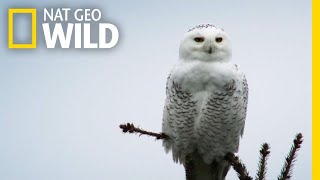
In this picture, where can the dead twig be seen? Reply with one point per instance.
(130, 128)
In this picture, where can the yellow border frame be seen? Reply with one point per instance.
(33, 13)
(315, 90)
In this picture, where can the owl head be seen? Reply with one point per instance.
(206, 42)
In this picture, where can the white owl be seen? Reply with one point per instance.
(206, 103)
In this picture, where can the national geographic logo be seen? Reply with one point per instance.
(33, 13)
(65, 24)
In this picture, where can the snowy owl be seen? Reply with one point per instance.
(206, 103)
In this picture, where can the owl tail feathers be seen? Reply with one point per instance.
(214, 171)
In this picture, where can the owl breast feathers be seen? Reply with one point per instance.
(205, 110)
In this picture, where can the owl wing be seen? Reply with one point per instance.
(245, 96)
(222, 120)
(179, 116)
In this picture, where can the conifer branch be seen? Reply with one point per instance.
(286, 171)
(238, 166)
(262, 167)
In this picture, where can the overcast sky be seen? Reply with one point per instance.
(60, 108)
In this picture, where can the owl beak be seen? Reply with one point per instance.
(210, 50)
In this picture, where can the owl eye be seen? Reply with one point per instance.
(219, 39)
(198, 39)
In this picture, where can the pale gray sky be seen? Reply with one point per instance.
(60, 109)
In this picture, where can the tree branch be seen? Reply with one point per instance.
(264, 153)
(189, 168)
(238, 166)
(286, 171)
(130, 128)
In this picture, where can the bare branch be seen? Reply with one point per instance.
(130, 128)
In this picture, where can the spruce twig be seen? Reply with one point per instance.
(286, 171)
(130, 128)
(262, 168)
(238, 166)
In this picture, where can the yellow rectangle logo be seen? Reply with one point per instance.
(33, 13)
